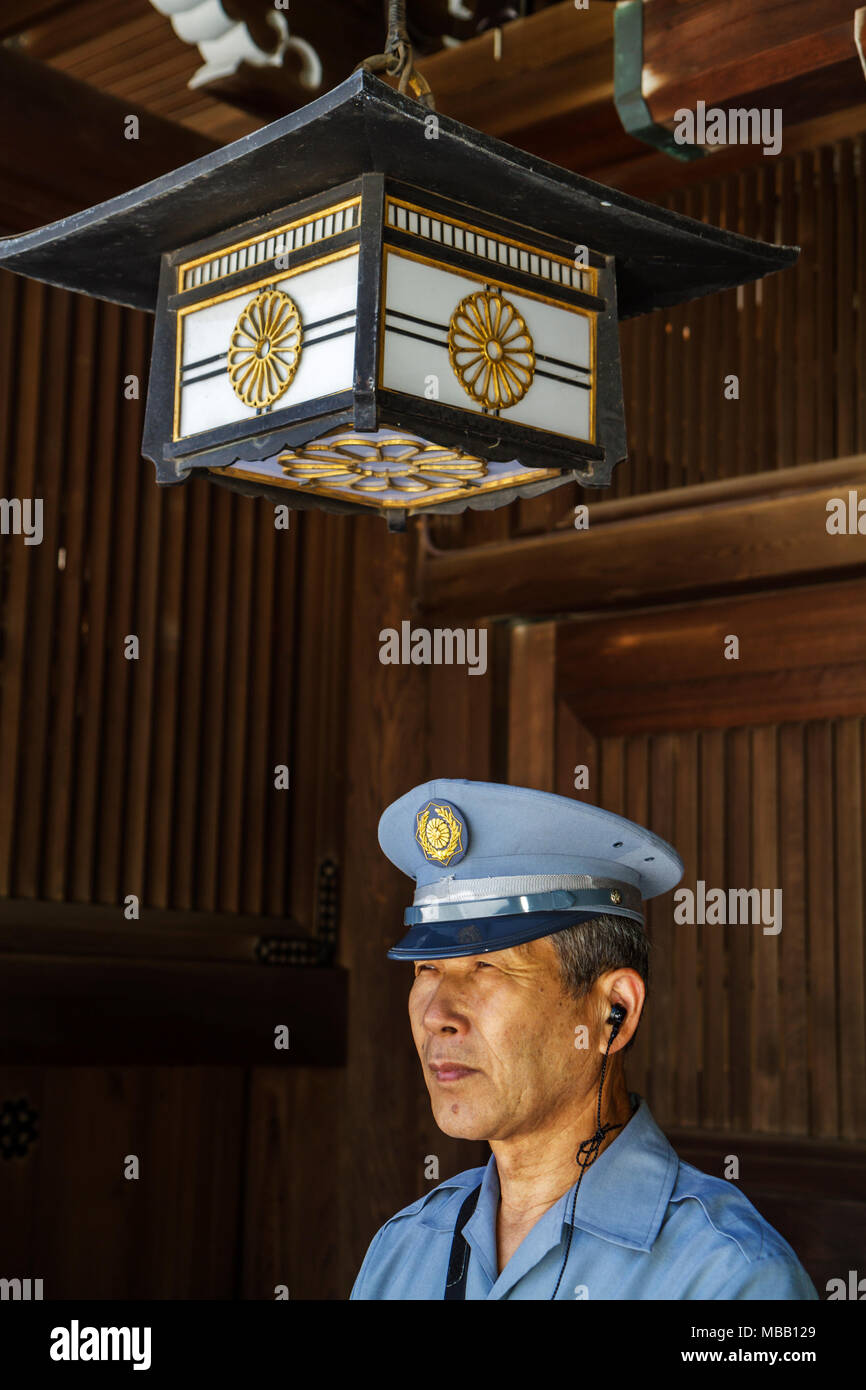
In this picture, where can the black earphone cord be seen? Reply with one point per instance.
(588, 1151)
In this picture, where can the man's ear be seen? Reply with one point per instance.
(625, 988)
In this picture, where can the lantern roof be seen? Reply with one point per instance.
(113, 251)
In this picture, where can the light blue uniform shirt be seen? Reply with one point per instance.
(646, 1225)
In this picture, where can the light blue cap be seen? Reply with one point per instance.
(496, 865)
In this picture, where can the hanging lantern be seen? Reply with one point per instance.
(369, 306)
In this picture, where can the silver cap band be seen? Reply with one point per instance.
(453, 900)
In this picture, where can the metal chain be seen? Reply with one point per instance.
(398, 59)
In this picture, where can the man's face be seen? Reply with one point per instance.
(496, 1037)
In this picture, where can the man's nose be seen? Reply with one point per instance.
(444, 1011)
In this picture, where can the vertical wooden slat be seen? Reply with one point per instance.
(319, 705)
(532, 710)
(688, 386)
(715, 1094)
(766, 1021)
(851, 1006)
(627, 347)
(612, 796)
(738, 829)
(239, 700)
(108, 390)
(34, 790)
(129, 484)
(687, 1006)
(826, 270)
(718, 325)
(11, 296)
(750, 404)
(72, 596)
(843, 269)
(794, 1075)
(821, 887)
(258, 779)
(676, 405)
(460, 718)
(289, 603)
(860, 342)
(196, 617)
(165, 696)
(135, 848)
(575, 747)
(213, 812)
(662, 772)
(18, 615)
(656, 389)
(767, 306)
(787, 360)
(806, 336)
(638, 1061)
(639, 434)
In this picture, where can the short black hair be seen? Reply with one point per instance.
(587, 950)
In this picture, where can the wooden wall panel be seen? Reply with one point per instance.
(155, 776)
(750, 1031)
(797, 342)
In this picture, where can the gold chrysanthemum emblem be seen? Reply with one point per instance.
(439, 833)
(491, 350)
(265, 348)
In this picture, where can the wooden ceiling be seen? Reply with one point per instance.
(538, 73)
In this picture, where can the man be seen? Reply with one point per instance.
(530, 960)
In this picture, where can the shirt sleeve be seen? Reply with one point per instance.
(360, 1288)
(777, 1277)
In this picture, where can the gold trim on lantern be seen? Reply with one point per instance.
(589, 270)
(218, 252)
(419, 474)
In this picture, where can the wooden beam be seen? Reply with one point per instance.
(767, 528)
(551, 92)
(553, 64)
(802, 655)
(64, 145)
(798, 56)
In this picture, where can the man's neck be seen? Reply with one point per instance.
(535, 1170)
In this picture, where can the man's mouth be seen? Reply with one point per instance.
(450, 1071)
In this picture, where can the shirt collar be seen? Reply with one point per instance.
(623, 1196)
(625, 1193)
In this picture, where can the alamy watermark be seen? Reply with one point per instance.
(76, 1343)
(440, 646)
(715, 126)
(734, 907)
(22, 517)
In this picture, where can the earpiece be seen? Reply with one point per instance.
(617, 1015)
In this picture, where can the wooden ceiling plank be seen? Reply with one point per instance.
(79, 162)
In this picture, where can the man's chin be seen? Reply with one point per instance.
(465, 1124)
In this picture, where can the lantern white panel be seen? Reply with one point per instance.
(549, 405)
(326, 298)
(420, 300)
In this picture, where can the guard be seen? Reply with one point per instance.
(530, 978)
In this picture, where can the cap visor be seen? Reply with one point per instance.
(442, 940)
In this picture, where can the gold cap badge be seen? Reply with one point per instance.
(441, 832)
